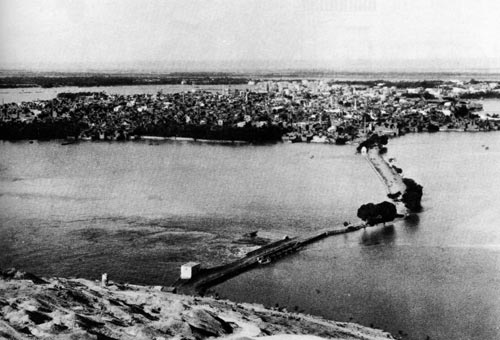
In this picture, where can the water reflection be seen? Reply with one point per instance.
(418, 277)
(138, 212)
(378, 235)
(412, 222)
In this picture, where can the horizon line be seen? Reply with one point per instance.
(242, 71)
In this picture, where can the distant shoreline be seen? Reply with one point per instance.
(193, 140)
(13, 80)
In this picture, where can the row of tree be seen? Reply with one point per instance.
(60, 129)
(117, 80)
(42, 130)
(247, 133)
(385, 211)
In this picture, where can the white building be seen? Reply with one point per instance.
(188, 270)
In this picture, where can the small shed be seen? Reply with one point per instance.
(188, 270)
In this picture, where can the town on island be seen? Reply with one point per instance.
(315, 111)
(363, 113)
(318, 111)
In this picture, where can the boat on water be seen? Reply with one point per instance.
(264, 260)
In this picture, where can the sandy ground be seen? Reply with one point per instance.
(57, 308)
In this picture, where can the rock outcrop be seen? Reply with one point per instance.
(56, 308)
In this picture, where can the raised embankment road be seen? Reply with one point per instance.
(392, 181)
(210, 277)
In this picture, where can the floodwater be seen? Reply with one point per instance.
(138, 211)
(436, 274)
(19, 95)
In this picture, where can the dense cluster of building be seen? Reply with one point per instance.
(315, 111)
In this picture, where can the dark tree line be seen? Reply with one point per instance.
(377, 213)
(481, 95)
(372, 141)
(41, 130)
(398, 84)
(248, 133)
(111, 80)
(75, 95)
(60, 129)
(413, 195)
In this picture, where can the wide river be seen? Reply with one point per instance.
(138, 211)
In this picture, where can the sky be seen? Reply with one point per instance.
(172, 35)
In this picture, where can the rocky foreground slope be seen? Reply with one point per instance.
(56, 308)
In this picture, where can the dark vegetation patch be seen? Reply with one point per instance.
(413, 195)
(37, 317)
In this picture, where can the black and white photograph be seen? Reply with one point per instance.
(247, 170)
